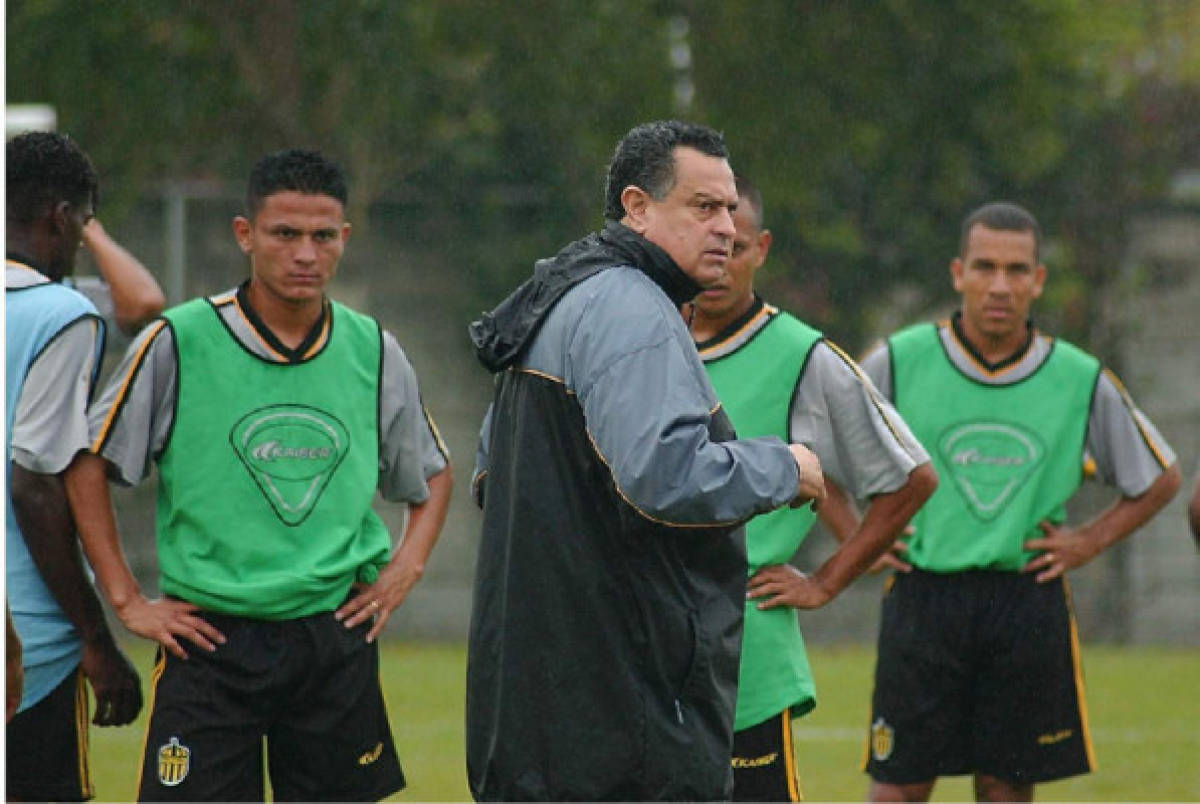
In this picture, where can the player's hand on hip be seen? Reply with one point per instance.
(1061, 549)
(114, 681)
(166, 620)
(892, 559)
(784, 585)
(380, 599)
(811, 484)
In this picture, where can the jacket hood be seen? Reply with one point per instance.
(501, 335)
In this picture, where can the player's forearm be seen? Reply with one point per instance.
(838, 512)
(885, 517)
(45, 521)
(425, 523)
(87, 489)
(137, 297)
(1129, 513)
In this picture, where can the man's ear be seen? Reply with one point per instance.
(241, 233)
(636, 202)
(1039, 280)
(764, 245)
(956, 273)
(60, 217)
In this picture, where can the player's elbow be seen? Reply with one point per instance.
(922, 483)
(1167, 485)
(135, 313)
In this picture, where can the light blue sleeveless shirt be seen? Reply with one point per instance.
(51, 647)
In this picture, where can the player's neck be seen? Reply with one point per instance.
(705, 327)
(993, 349)
(31, 249)
(289, 321)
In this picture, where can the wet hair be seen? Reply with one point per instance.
(43, 169)
(296, 170)
(645, 158)
(1003, 217)
(748, 192)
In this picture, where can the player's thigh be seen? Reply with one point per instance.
(335, 740)
(922, 680)
(46, 746)
(1030, 725)
(764, 761)
(204, 740)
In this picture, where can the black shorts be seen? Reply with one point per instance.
(977, 672)
(46, 746)
(309, 687)
(764, 762)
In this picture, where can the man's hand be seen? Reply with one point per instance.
(407, 564)
(811, 485)
(379, 599)
(784, 585)
(114, 681)
(164, 619)
(1062, 549)
(892, 559)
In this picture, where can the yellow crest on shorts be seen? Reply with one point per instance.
(174, 761)
(883, 739)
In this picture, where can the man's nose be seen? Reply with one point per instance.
(306, 250)
(1000, 284)
(723, 223)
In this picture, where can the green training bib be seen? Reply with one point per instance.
(1008, 456)
(265, 487)
(755, 384)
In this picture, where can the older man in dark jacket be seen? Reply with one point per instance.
(611, 577)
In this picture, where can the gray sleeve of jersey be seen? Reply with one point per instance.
(647, 410)
(862, 442)
(1128, 450)
(99, 294)
(877, 365)
(410, 449)
(50, 422)
(130, 422)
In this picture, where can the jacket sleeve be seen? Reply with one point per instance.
(648, 409)
(479, 476)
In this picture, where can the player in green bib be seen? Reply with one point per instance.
(978, 669)
(777, 376)
(274, 415)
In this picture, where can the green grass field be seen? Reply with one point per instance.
(1143, 704)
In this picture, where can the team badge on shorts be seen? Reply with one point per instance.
(174, 761)
(883, 740)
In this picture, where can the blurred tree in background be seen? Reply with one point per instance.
(871, 127)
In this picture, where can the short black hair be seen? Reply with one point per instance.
(297, 170)
(748, 191)
(42, 169)
(1004, 217)
(645, 158)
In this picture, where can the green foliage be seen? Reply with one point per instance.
(872, 128)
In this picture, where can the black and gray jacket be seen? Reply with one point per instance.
(611, 576)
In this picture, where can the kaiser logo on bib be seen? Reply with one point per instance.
(989, 462)
(291, 452)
